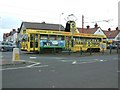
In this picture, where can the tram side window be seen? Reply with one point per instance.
(36, 38)
(31, 44)
(99, 40)
(89, 39)
(104, 40)
(43, 37)
(68, 38)
(31, 37)
(76, 38)
(84, 39)
(24, 38)
(52, 37)
(60, 38)
(93, 40)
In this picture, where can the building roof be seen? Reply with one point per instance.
(111, 33)
(88, 30)
(41, 26)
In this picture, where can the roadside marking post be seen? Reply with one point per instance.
(81, 51)
(16, 55)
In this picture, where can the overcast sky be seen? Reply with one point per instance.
(13, 12)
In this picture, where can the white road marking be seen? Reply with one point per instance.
(33, 65)
(39, 70)
(87, 62)
(116, 58)
(74, 62)
(101, 60)
(58, 58)
(41, 66)
(96, 59)
(90, 61)
(32, 57)
(83, 61)
(67, 60)
(118, 71)
(53, 86)
(23, 67)
(52, 70)
(1, 56)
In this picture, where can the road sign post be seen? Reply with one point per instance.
(72, 34)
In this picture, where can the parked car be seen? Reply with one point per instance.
(111, 46)
(12, 44)
(5, 46)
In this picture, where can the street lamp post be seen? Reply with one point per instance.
(60, 20)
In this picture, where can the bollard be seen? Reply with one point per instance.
(80, 50)
(16, 54)
(90, 51)
(69, 51)
(117, 48)
(54, 50)
(110, 49)
(102, 50)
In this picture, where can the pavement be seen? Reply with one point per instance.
(16, 62)
(10, 62)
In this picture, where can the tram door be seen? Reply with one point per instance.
(34, 45)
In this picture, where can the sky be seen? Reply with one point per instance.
(13, 12)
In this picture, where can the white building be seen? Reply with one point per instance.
(11, 37)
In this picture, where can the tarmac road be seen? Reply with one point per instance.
(53, 71)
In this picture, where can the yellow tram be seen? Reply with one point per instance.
(34, 40)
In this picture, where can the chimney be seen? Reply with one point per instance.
(88, 26)
(13, 30)
(18, 30)
(109, 29)
(116, 28)
(43, 22)
(7, 34)
(96, 25)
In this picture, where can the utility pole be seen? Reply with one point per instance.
(82, 23)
